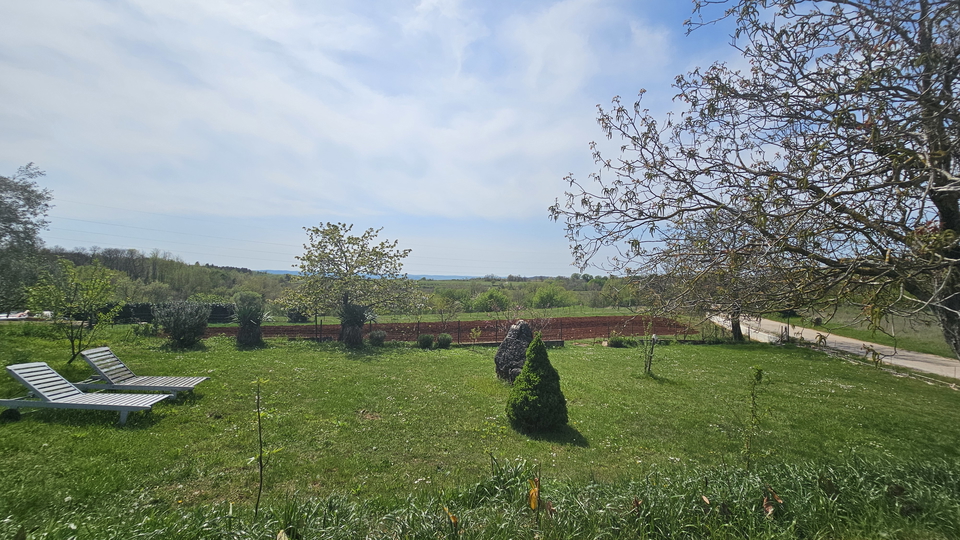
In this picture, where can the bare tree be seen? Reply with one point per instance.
(837, 150)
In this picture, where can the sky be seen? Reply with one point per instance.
(216, 130)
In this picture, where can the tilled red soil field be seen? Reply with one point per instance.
(560, 329)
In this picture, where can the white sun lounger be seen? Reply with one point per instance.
(49, 389)
(112, 374)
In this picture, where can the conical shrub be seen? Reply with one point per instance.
(536, 403)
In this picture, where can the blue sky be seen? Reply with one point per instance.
(216, 130)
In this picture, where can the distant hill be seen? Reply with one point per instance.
(411, 276)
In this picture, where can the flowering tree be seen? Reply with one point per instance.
(352, 276)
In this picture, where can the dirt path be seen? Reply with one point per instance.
(766, 330)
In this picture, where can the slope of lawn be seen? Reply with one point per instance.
(391, 423)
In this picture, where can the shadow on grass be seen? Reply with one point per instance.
(81, 418)
(566, 435)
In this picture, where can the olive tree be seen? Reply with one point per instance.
(23, 209)
(836, 152)
(352, 276)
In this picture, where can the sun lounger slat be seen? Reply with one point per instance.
(53, 391)
(117, 376)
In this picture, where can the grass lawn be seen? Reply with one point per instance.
(385, 424)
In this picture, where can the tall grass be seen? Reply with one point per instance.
(854, 499)
(381, 439)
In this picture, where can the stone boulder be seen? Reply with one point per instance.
(512, 353)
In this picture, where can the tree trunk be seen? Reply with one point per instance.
(735, 329)
(945, 305)
(948, 316)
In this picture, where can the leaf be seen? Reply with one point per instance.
(767, 508)
(453, 518)
(705, 499)
(775, 496)
(533, 499)
(282, 535)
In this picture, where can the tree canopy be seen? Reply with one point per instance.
(835, 153)
(352, 276)
(23, 209)
(76, 294)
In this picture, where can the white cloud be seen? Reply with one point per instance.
(451, 108)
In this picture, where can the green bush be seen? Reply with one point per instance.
(492, 299)
(444, 341)
(619, 342)
(425, 341)
(249, 312)
(552, 295)
(184, 322)
(296, 316)
(377, 337)
(536, 403)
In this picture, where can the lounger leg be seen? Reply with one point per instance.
(123, 417)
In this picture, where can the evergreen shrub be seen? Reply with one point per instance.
(444, 341)
(184, 322)
(536, 403)
(425, 341)
(249, 312)
(377, 338)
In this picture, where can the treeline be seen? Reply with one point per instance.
(160, 277)
(492, 293)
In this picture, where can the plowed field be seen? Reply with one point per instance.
(561, 328)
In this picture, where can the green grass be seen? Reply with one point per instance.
(397, 422)
(920, 334)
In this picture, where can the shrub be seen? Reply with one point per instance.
(618, 341)
(249, 312)
(491, 300)
(552, 295)
(377, 337)
(184, 322)
(145, 329)
(425, 341)
(352, 318)
(536, 403)
(444, 341)
(296, 316)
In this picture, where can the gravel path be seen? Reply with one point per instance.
(766, 330)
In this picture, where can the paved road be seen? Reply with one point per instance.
(766, 330)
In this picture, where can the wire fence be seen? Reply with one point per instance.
(488, 331)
